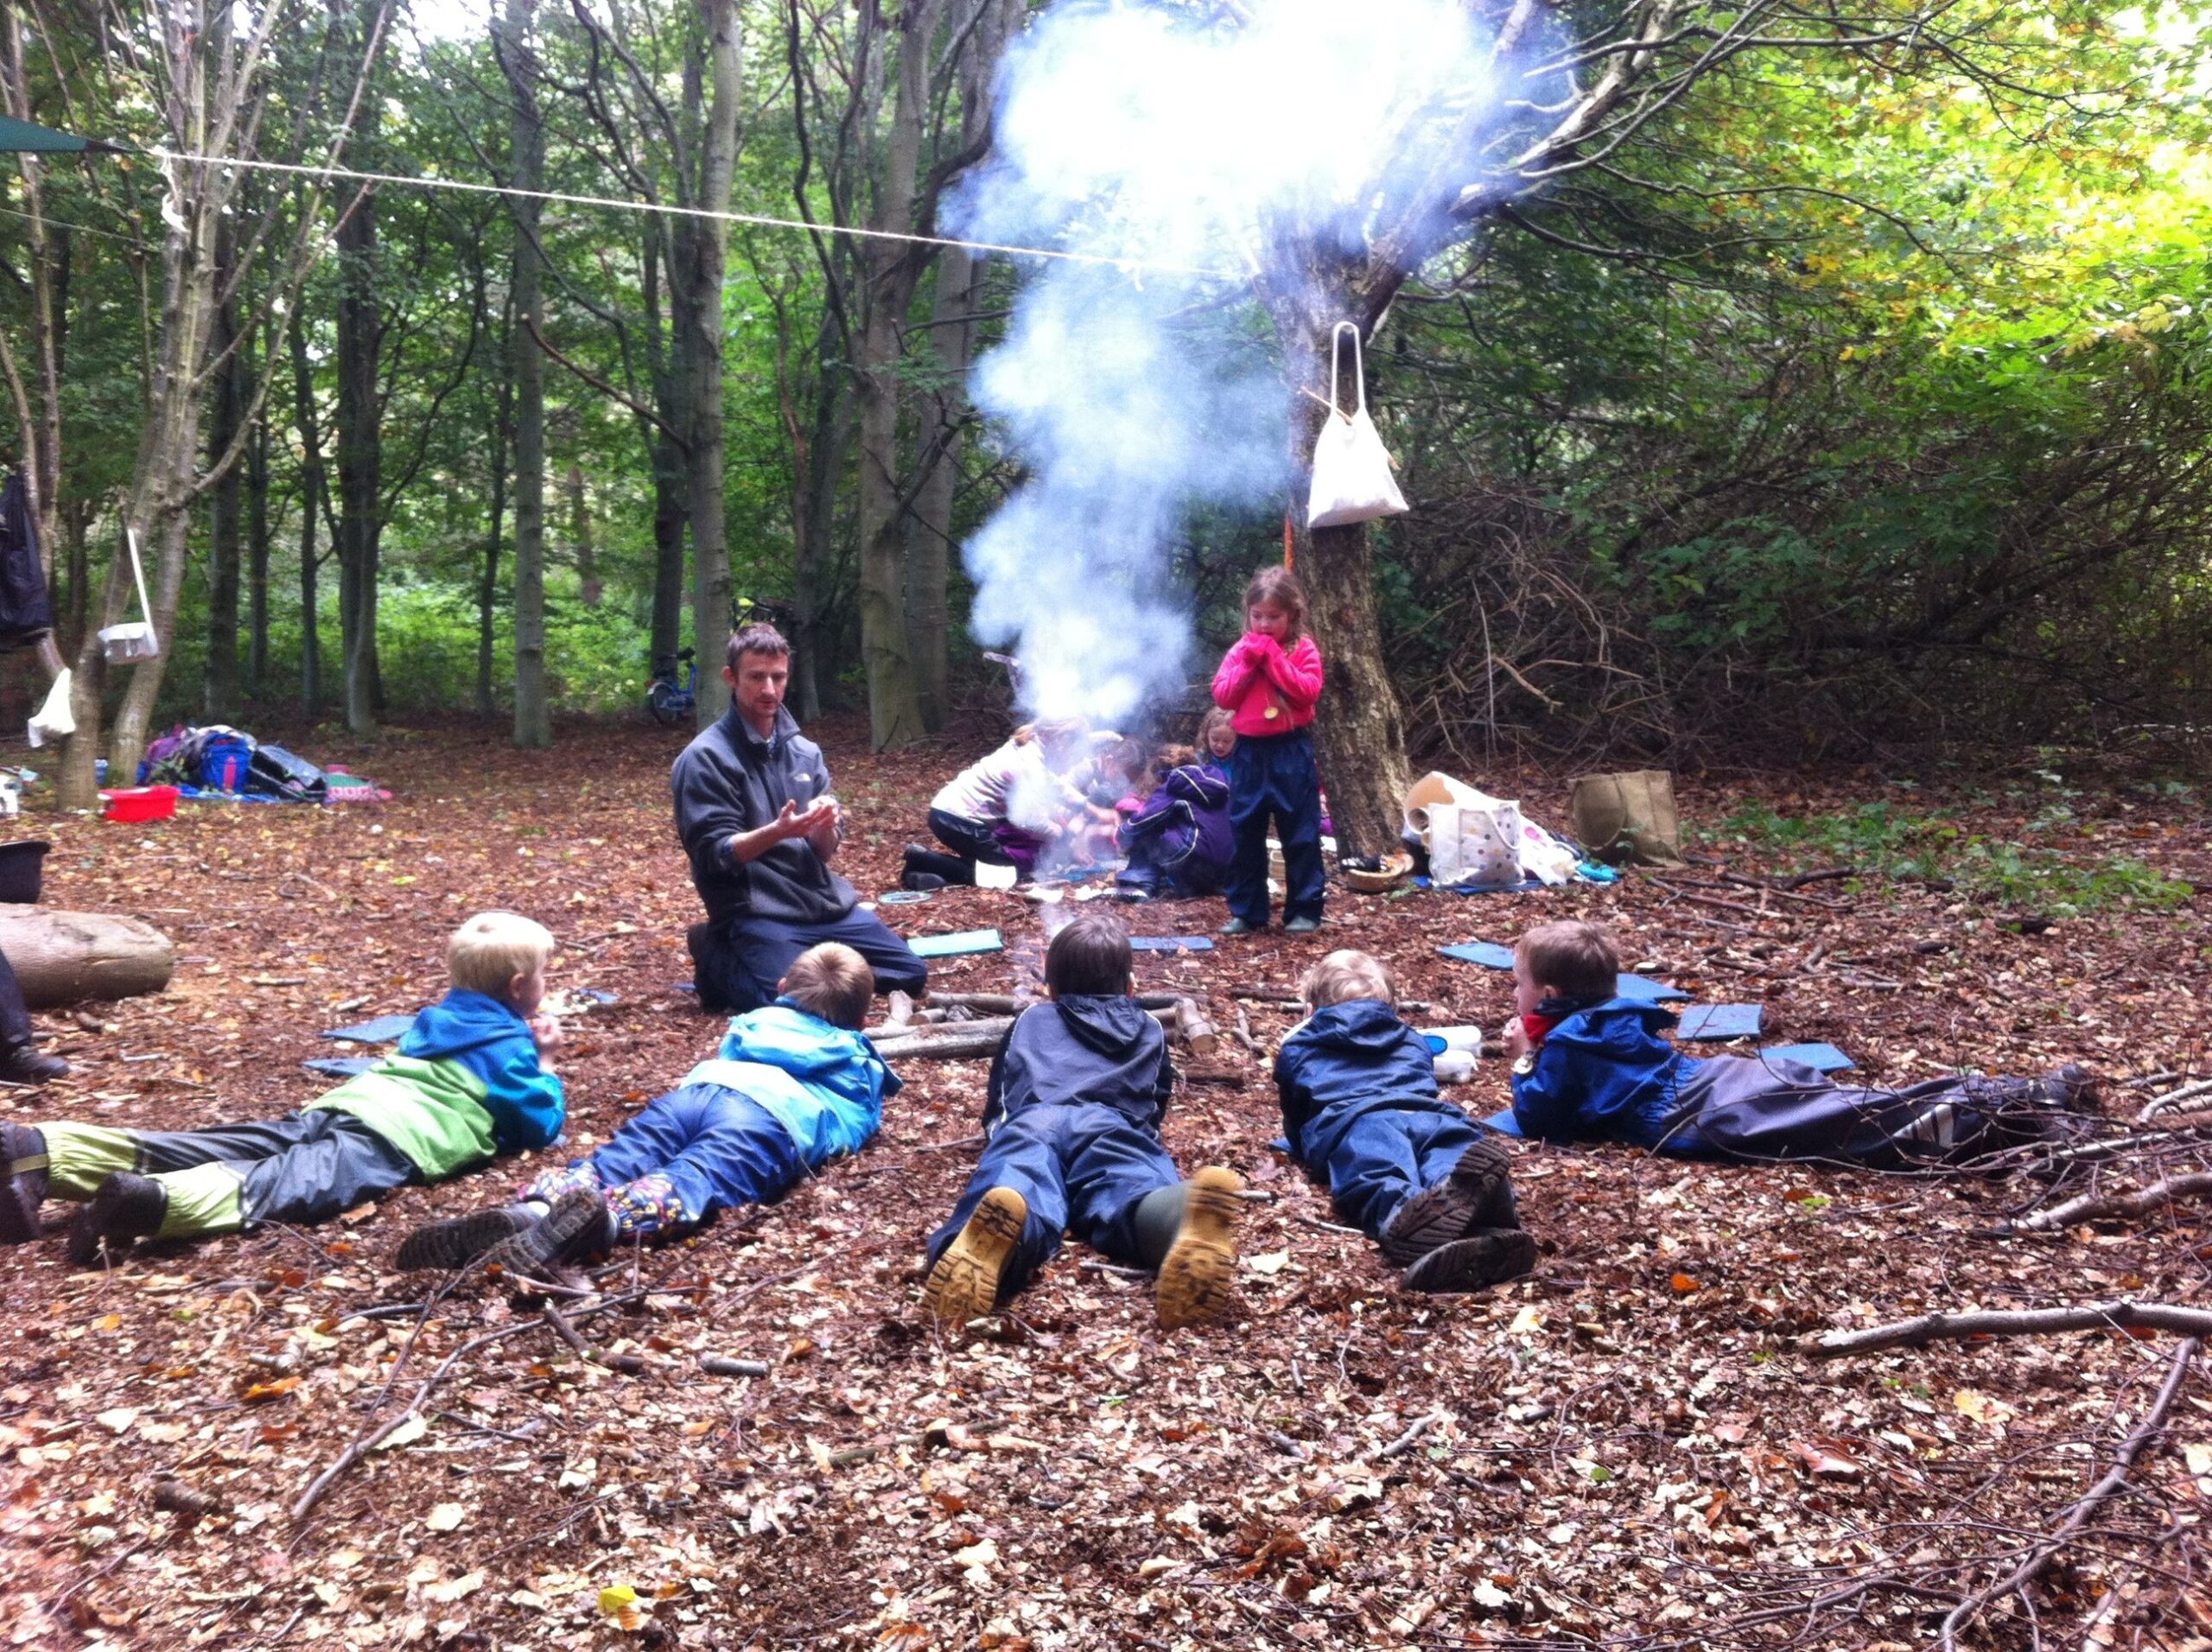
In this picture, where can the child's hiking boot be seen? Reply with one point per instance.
(1235, 926)
(1479, 1193)
(460, 1239)
(2068, 1087)
(1195, 1278)
(1480, 1259)
(125, 1208)
(574, 1228)
(22, 1182)
(1300, 925)
(964, 1284)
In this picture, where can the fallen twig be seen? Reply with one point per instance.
(2121, 1314)
(1404, 1442)
(2159, 1104)
(2124, 1459)
(629, 1364)
(717, 1365)
(2091, 1206)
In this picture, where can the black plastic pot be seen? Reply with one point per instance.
(22, 869)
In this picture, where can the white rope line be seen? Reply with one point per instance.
(324, 174)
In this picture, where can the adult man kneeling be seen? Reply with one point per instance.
(753, 809)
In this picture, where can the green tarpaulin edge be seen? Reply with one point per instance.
(20, 136)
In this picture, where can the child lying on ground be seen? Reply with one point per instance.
(469, 1084)
(1180, 842)
(1072, 1121)
(793, 1086)
(1403, 1164)
(1591, 1066)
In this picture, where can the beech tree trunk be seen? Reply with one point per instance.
(487, 584)
(928, 537)
(311, 496)
(700, 257)
(580, 531)
(1359, 734)
(518, 56)
(257, 551)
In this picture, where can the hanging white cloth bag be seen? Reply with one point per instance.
(1351, 469)
(55, 720)
(133, 640)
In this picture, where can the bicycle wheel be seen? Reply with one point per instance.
(665, 700)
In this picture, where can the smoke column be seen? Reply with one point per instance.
(1126, 132)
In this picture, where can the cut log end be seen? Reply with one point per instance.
(63, 957)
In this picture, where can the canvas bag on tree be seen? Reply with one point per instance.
(1351, 469)
(1628, 819)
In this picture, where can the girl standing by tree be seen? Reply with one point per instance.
(1269, 682)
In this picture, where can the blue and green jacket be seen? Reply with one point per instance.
(823, 1084)
(466, 1086)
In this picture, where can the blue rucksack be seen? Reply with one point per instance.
(224, 762)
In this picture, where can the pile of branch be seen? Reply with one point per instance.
(929, 1033)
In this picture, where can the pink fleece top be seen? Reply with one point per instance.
(1257, 676)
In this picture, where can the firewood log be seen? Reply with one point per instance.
(62, 958)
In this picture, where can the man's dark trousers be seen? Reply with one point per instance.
(738, 962)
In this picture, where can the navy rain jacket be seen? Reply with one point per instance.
(1078, 1050)
(1347, 1060)
(1608, 1072)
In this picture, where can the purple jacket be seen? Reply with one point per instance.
(1183, 827)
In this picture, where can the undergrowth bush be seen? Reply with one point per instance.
(1883, 841)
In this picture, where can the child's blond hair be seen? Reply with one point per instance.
(1345, 975)
(833, 982)
(487, 952)
(1574, 958)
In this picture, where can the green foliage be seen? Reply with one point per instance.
(1880, 840)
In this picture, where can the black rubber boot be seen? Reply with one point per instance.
(125, 1208)
(1157, 1219)
(1480, 1259)
(22, 1182)
(25, 1063)
(460, 1239)
(578, 1226)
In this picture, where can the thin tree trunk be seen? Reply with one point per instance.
(361, 462)
(256, 541)
(219, 684)
(311, 486)
(929, 543)
(580, 530)
(517, 57)
(487, 586)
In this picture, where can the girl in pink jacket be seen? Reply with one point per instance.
(1269, 683)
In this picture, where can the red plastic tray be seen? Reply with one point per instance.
(141, 802)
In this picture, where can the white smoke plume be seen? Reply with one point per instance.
(1131, 132)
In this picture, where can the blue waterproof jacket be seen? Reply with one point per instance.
(1077, 1050)
(824, 1083)
(1351, 1058)
(1608, 1072)
(465, 1087)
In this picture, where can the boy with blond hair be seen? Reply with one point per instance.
(793, 1086)
(469, 1083)
(1071, 1126)
(1362, 1113)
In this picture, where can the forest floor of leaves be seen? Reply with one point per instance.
(1625, 1448)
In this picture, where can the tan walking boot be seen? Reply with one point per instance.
(1195, 1278)
(964, 1284)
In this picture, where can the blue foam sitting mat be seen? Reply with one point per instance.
(1491, 956)
(342, 1066)
(959, 944)
(1719, 1022)
(1824, 1058)
(385, 1029)
(1170, 944)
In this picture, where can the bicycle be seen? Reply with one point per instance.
(670, 699)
